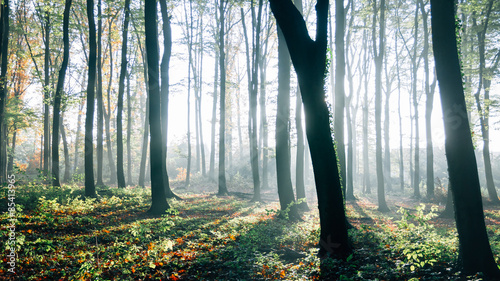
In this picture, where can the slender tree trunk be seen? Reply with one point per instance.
(159, 200)
(211, 172)
(365, 108)
(283, 173)
(78, 131)
(89, 120)
(66, 152)
(416, 177)
(100, 103)
(339, 89)
(46, 96)
(475, 251)
(129, 133)
(107, 116)
(145, 142)
(379, 56)
(121, 90)
(5, 28)
(222, 125)
(400, 119)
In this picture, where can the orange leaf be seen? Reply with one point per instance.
(107, 231)
(282, 274)
(173, 277)
(29, 230)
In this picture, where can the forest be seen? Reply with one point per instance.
(250, 140)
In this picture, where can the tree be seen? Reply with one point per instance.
(100, 104)
(121, 91)
(159, 200)
(89, 118)
(222, 110)
(339, 89)
(474, 248)
(378, 55)
(58, 97)
(4, 49)
(309, 59)
(485, 77)
(283, 173)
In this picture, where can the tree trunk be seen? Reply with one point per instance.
(3, 89)
(159, 200)
(222, 124)
(365, 108)
(475, 252)
(378, 57)
(89, 120)
(77, 138)
(66, 153)
(145, 142)
(283, 172)
(129, 133)
(309, 60)
(100, 103)
(121, 91)
(339, 89)
(416, 177)
(46, 96)
(107, 116)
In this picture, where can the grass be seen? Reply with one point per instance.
(61, 236)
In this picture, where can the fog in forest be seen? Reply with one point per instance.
(264, 110)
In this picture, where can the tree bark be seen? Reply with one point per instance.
(56, 125)
(89, 119)
(222, 117)
(416, 177)
(159, 200)
(3, 88)
(378, 57)
(100, 103)
(475, 252)
(309, 60)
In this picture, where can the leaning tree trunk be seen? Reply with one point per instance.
(89, 120)
(475, 251)
(309, 60)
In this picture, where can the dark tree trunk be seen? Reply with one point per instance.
(3, 89)
(379, 57)
(89, 120)
(100, 103)
(309, 60)
(10, 160)
(283, 167)
(159, 200)
(475, 251)
(121, 90)
(222, 125)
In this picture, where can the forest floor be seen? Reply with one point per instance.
(61, 236)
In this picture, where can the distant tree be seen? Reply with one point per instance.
(89, 119)
(309, 60)
(283, 172)
(121, 91)
(475, 253)
(222, 110)
(159, 200)
(58, 97)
